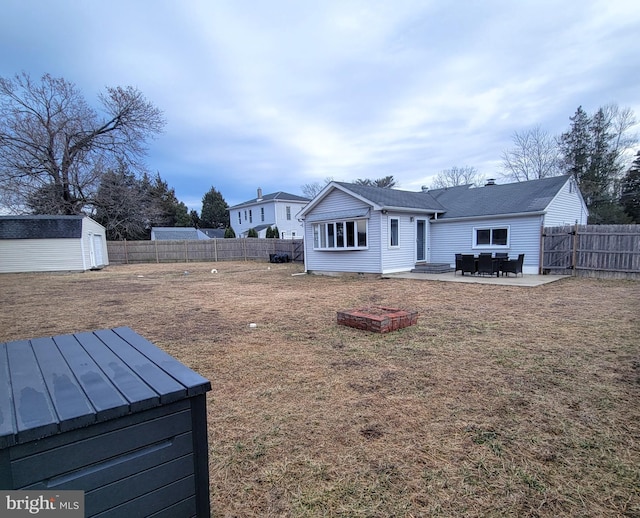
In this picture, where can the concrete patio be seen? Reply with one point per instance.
(521, 280)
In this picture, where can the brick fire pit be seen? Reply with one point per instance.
(377, 319)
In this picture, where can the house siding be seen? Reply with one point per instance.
(355, 261)
(287, 227)
(449, 238)
(566, 208)
(401, 258)
(275, 214)
(41, 255)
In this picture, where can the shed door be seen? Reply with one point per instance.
(96, 251)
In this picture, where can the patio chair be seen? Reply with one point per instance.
(458, 263)
(513, 266)
(468, 264)
(486, 264)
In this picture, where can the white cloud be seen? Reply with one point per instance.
(284, 93)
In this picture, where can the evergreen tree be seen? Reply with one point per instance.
(252, 233)
(163, 208)
(229, 233)
(630, 190)
(215, 211)
(195, 219)
(575, 146)
(387, 182)
(593, 153)
(183, 218)
(118, 207)
(276, 232)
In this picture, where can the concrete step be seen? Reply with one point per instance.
(432, 268)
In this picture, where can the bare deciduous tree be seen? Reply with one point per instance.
(534, 155)
(311, 190)
(455, 176)
(53, 144)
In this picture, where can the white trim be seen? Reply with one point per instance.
(491, 228)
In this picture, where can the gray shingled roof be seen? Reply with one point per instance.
(394, 197)
(510, 198)
(40, 227)
(276, 196)
(177, 234)
(465, 201)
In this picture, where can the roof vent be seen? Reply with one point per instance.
(259, 194)
(425, 188)
(490, 181)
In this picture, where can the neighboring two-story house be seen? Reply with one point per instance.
(279, 209)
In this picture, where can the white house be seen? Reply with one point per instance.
(279, 209)
(356, 228)
(51, 243)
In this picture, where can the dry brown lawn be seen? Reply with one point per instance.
(502, 401)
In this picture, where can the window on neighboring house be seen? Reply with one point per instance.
(245, 214)
(394, 232)
(262, 214)
(340, 235)
(491, 237)
(288, 213)
(239, 218)
(250, 216)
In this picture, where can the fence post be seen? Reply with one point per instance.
(215, 250)
(157, 258)
(575, 250)
(126, 255)
(186, 251)
(541, 262)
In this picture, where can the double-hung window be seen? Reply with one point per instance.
(394, 232)
(340, 235)
(491, 237)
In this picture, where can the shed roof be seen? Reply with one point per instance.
(41, 227)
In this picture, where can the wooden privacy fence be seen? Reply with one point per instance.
(237, 249)
(605, 251)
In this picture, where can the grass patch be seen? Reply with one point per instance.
(500, 401)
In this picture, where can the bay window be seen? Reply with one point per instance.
(340, 235)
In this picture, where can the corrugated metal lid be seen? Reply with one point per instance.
(54, 384)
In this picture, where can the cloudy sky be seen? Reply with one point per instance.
(277, 94)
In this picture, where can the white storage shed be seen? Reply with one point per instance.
(51, 243)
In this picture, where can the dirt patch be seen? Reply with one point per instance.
(499, 401)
